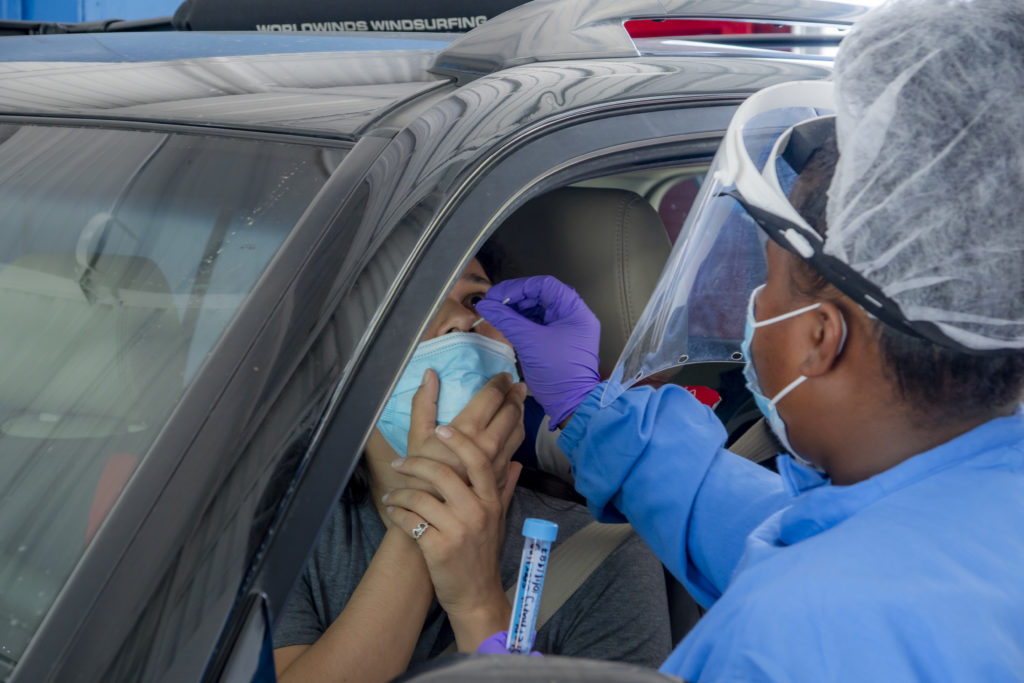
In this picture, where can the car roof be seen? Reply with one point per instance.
(343, 96)
(551, 30)
(317, 84)
(339, 85)
(171, 45)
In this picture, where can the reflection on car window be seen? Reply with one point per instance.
(123, 256)
(676, 203)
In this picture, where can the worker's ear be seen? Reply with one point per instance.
(824, 332)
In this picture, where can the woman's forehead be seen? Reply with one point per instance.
(474, 272)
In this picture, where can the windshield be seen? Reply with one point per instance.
(123, 257)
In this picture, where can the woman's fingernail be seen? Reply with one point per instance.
(390, 510)
(398, 463)
(443, 431)
(384, 498)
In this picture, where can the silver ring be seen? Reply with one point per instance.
(418, 530)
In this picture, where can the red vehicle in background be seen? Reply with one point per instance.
(664, 28)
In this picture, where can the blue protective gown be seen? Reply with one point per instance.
(916, 574)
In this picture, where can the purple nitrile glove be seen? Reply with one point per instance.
(555, 336)
(495, 645)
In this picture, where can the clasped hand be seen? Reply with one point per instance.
(469, 483)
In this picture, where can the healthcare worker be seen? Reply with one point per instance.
(885, 348)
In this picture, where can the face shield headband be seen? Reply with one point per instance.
(790, 231)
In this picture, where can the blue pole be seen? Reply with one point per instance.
(11, 9)
(51, 10)
(95, 10)
(85, 10)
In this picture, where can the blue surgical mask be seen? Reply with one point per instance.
(463, 361)
(768, 406)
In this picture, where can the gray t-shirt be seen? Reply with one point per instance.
(619, 613)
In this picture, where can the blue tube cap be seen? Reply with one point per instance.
(541, 529)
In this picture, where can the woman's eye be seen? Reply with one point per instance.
(473, 299)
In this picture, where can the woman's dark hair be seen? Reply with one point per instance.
(358, 488)
(938, 382)
(496, 262)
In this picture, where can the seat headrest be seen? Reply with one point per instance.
(87, 353)
(610, 245)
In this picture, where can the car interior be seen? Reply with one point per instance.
(107, 313)
(77, 405)
(610, 244)
(609, 238)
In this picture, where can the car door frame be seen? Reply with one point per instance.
(104, 597)
(560, 153)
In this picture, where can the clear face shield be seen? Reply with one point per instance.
(697, 311)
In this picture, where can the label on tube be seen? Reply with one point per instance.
(539, 534)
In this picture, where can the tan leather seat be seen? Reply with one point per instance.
(610, 245)
(92, 360)
(87, 352)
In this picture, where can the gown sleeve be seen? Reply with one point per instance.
(657, 459)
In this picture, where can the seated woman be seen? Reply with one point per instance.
(373, 600)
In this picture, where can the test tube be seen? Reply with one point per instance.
(539, 534)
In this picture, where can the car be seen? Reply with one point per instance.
(220, 248)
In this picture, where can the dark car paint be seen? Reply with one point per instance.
(597, 31)
(144, 47)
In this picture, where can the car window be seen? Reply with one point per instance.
(123, 256)
(674, 205)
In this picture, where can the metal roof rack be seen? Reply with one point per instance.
(552, 30)
(20, 27)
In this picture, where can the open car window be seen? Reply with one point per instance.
(124, 256)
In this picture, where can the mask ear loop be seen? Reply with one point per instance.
(803, 378)
(786, 316)
(789, 387)
(842, 341)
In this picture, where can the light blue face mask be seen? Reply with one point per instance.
(768, 406)
(463, 361)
